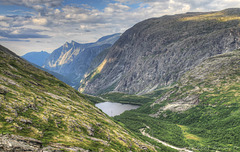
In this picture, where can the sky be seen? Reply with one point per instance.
(36, 25)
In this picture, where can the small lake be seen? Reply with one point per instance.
(112, 109)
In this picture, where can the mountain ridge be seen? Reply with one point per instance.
(157, 52)
(73, 59)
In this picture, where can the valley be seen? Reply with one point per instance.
(166, 84)
(40, 113)
(207, 125)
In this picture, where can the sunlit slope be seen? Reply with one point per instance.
(35, 104)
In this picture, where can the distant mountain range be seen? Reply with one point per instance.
(73, 59)
(37, 58)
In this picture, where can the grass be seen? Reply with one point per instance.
(218, 16)
(35, 104)
(212, 124)
(188, 135)
(92, 76)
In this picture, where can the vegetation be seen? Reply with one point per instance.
(162, 130)
(209, 122)
(35, 104)
(218, 16)
(93, 75)
(94, 99)
(126, 98)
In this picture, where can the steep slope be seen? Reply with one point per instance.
(39, 112)
(204, 105)
(37, 58)
(72, 60)
(158, 51)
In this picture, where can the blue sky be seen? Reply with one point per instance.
(35, 25)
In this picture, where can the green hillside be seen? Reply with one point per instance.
(35, 104)
(202, 111)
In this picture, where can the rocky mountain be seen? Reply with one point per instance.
(157, 52)
(37, 58)
(72, 60)
(200, 111)
(40, 113)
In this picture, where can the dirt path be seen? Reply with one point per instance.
(162, 142)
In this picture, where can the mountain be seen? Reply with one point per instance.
(156, 52)
(37, 58)
(200, 111)
(40, 113)
(72, 60)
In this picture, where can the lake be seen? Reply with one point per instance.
(112, 108)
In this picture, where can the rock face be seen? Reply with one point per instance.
(39, 112)
(218, 75)
(37, 58)
(158, 51)
(13, 143)
(72, 60)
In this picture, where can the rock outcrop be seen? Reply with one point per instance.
(13, 143)
(215, 76)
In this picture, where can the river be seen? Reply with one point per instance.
(112, 109)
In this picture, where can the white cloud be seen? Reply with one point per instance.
(33, 3)
(40, 21)
(87, 24)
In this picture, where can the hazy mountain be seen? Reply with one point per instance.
(72, 60)
(40, 113)
(37, 58)
(157, 52)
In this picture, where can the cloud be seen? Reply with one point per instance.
(83, 23)
(40, 21)
(22, 34)
(116, 7)
(33, 3)
(14, 40)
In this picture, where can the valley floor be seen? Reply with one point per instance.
(162, 142)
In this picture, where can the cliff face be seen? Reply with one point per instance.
(72, 60)
(158, 51)
(40, 113)
(214, 82)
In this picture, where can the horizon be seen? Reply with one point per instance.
(43, 25)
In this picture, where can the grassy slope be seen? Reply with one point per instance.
(211, 119)
(35, 104)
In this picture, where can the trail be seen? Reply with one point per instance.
(162, 142)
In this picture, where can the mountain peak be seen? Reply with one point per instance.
(72, 42)
(73, 59)
(37, 58)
